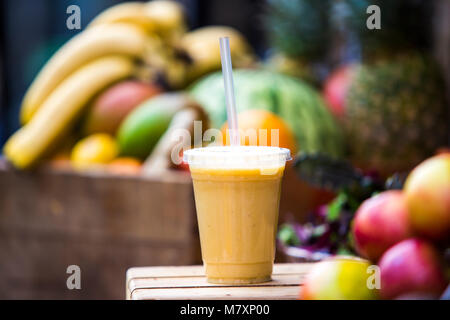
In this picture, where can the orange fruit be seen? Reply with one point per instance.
(125, 165)
(59, 161)
(250, 124)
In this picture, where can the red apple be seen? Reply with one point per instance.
(113, 105)
(411, 266)
(427, 191)
(379, 223)
(335, 89)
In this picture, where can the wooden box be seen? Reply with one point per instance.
(189, 283)
(102, 223)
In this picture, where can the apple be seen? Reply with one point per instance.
(427, 191)
(335, 89)
(115, 103)
(338, 278)
(412, 266)
(380, 222)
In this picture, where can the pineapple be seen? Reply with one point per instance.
(405, 25)
(298, 31)
(396, 113)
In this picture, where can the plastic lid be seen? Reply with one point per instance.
(242, 157)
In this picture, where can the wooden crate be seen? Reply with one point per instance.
(102, 223)
(189, 283)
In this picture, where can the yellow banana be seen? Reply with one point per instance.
(61, 108)
(87, 46)
(162, 17)
(127, 12)
(169, 17)
(202, 45)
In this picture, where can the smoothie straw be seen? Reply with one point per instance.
(227, 72)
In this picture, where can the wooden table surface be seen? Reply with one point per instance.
(189, 283)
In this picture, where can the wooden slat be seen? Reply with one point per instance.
(189, 282)
(200, 282)
(216, 293)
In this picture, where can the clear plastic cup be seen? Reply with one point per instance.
(237, 193)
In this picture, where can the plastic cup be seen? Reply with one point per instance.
(237, 194)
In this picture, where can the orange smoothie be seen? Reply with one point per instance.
(237, 205)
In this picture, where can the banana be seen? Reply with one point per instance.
(169, 17)
(61, 108)
(161, 17)
(202, 45)
(127, 12)
(89, 45)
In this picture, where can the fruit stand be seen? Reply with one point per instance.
(109, 142)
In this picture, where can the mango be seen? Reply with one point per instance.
(109, 109)
(380, 222)
(92, 151)
(142, 128)
(411, 267)
(339, 278)
(427, 191)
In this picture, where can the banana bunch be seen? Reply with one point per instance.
(113, 47)
(165, 22)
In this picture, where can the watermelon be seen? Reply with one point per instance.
(293, 100)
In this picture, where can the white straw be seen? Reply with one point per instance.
(227, 72)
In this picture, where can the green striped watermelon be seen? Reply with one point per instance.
(293, 100)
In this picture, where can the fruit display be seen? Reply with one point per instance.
(295, 102)
(394, 229)
(102, 81)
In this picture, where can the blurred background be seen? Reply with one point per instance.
(86, 175)
(33, 30)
